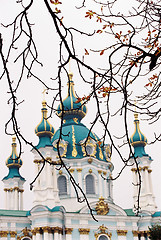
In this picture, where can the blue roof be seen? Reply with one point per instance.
(138, 140)
(157, 214)
(44, 128)
(13, 173)
(44, 141)
(14, 163)
(71, 105)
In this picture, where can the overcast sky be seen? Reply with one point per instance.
(29, 113)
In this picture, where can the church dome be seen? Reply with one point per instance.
(138, 138)
(77, 141)
(44, 127)
(71, 107)
(14, 162)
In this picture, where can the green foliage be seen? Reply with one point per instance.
(155, 232)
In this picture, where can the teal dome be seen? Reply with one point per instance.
(44, 129)
(71, 106)
(73, 141)
(76, 139)
(14, 162)
(138, 140)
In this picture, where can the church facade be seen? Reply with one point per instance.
(56, 213)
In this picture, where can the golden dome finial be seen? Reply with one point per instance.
(135, 113)
(70, 74)
(13, 139)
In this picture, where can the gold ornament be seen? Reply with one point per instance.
(102, 207)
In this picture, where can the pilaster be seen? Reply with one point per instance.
(84, 233)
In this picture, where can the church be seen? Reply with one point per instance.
(56, 213)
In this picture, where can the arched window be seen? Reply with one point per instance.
(62, 185)
(26, 238)
(90, 189)
(103, 237)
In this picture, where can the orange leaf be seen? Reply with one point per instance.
(99, 31)
(56, 2)
(86, 52)
(78, 100)
(90, 14)
(99, 143)
(102, 52)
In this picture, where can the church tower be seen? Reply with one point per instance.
(146, 199)
(45, 187)
(83, 153)
(13, 182)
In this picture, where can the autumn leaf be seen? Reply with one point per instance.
(149, 84)
(104, 26)
(78, 100)
(56, 2)
(102, 52)
(99, 143)
(90, 14)
(111, 25)
(99, 19)
(86, 52)
(99, 31)
(57, 10)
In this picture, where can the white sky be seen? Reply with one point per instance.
(29, 114)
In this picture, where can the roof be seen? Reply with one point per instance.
(129, 212)
(13, 213)
(44, 129)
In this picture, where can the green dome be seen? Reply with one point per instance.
(14, 163)
(73, 141)
(71, 106)
(138, 140)
(13, 159)
(138, 137)
(44, 128)
(76, 139)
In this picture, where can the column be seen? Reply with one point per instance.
(33, 234)
(38, 233)
(150, 181)
(100, 182)
(105, 184)
(84, 233)
(146, 179)
(121, 234)
(13, 235)
(57, 231)
(11, 199)
(50, 234)
(79, 170)
(21, 198)
(71, 186)
(135, 235)
(3, 235)
(16, 207)
(46, 231)
(68, 232)
(6, 198)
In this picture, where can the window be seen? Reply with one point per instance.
(103, 237)
(62, 185)
(90, 184)
(26, 238)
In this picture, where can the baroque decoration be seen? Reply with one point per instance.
(102, 230)
(102, 207)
